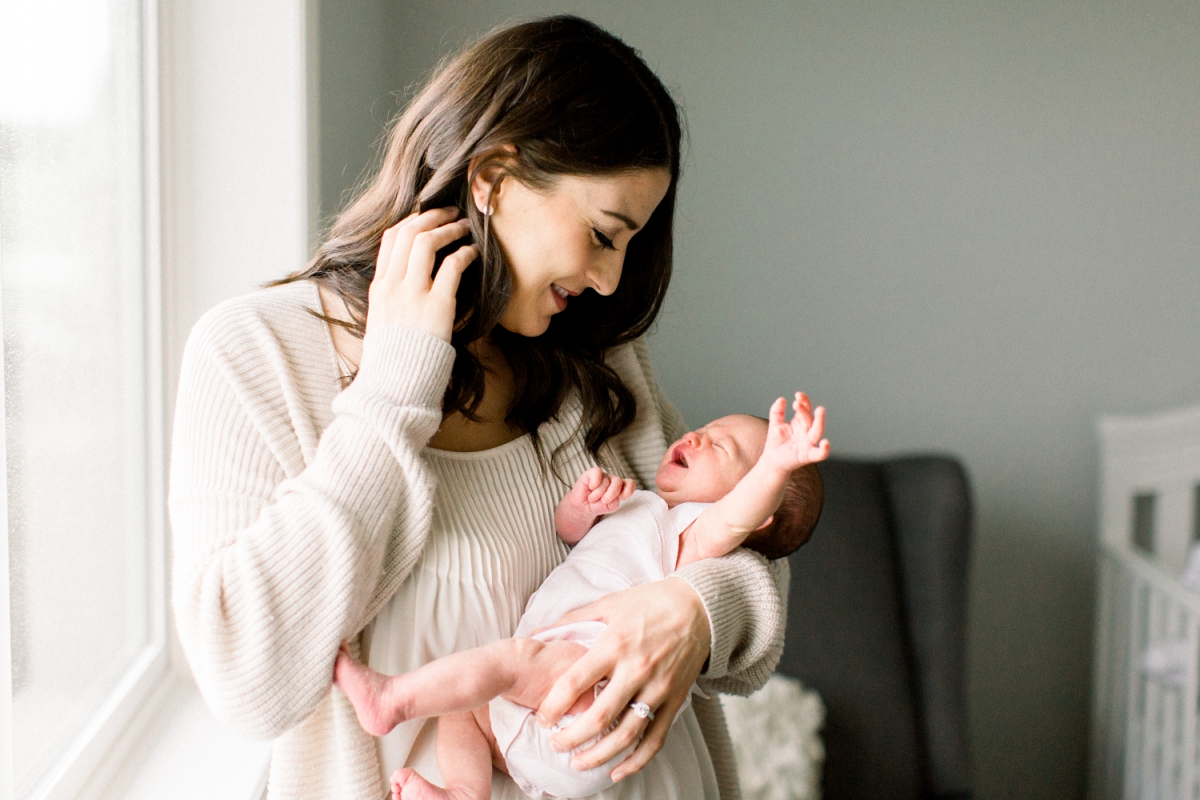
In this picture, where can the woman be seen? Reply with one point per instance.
(411, 512)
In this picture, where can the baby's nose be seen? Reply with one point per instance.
(691, 439)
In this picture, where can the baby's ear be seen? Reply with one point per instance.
(766, 524)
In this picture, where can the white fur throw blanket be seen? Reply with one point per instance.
(775, 734)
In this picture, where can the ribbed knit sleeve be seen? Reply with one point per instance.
(282, 541)
(743, 593)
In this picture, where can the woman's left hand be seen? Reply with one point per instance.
(655, 645)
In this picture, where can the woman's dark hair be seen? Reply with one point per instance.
(573, 100)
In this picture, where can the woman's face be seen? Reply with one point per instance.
(569, 238)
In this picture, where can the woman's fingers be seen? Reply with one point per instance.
(582, 676)
(611, 707)
(445, 284)
(386, 246)
(404, 291)
(652, 741)
(424, 250)
(392, 265)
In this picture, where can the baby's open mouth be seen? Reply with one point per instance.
(677, 457)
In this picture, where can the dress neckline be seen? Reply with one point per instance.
(475, 455)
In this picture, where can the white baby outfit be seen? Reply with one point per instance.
(638, 543)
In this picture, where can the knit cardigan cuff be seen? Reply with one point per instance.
(738, 645)
(404, 366)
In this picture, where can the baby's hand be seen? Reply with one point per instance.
(596, 492)
(791, 445)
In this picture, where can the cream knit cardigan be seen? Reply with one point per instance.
(298, 509)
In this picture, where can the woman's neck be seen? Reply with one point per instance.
(491, 430)
(457, 433)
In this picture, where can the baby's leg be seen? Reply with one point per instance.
(523, 670)
(464, 757)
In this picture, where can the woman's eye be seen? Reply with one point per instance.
(604, 241)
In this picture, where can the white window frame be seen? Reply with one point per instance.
(98, 740)
(154, 737)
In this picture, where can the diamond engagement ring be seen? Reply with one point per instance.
(642, 710)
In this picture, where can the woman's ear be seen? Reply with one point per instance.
(488, 171)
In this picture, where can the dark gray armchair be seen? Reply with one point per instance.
(877, 625)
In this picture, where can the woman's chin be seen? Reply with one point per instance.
(529, 328)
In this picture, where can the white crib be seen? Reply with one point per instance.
(1144, 697)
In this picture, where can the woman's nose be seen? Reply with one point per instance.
(606, 274)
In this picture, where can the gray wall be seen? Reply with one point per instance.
(963, 227)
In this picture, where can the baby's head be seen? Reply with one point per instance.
(705, 465)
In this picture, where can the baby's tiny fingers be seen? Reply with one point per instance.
(804, 410)
(816, 430)
(778, 413)
(597, 494)
(592, 477)
(629, 489)
(613, 493)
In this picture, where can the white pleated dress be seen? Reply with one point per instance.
(488, 550)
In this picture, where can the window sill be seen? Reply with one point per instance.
(180, 750)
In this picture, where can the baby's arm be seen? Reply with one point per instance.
(595, 494)
(749, 506)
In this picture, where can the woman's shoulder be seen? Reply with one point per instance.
(272, 331)
(632, 362)
(262, 319)
(285, 309)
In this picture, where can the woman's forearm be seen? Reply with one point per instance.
(280, 554)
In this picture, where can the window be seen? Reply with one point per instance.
(85, 632)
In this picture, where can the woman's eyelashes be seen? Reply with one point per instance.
(603, 240)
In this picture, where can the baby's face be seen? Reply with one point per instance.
(706, 464)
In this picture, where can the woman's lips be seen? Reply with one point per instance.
(560, 295)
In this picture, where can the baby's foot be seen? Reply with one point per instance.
(408, 785)
(368, 691)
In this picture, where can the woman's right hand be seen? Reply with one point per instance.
(404, 291)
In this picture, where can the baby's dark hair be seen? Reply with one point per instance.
(803, 497)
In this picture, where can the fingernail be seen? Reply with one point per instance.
(541, 718)
(556, 747)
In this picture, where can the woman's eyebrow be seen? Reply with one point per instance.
(630, 224)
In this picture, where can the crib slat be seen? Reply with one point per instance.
(1133, 731)
(1153, 709)
(1187, 778)
(1105, 719)
(1168, 771)
(1115, 723)
(1124, 601)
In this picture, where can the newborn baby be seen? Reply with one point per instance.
(727, 484)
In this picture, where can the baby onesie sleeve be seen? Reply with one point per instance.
(280, 554)
(743, 593)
